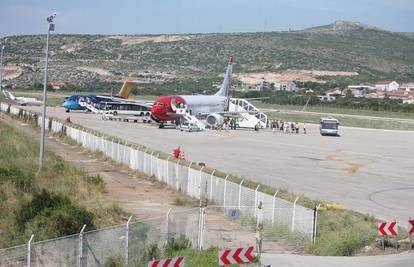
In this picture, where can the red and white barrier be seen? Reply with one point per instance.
(411, 227)
(386, 229)
(172, 262)
(236, 256)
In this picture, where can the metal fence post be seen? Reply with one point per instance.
(127, 240)
(256, 198)
(240, 188)
(315, 222)
(29, 251)
(274, 207)
(80, 260)
(225, 191)
(200, 238)
(199, 184)
(294, 214)
(168, 225)
(211, 185)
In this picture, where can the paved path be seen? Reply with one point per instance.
(286, 260)
(368, 170)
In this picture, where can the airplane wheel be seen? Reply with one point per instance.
(68, 110)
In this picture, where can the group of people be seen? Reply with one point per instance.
(287, 127)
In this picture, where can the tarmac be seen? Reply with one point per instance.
(367, 170)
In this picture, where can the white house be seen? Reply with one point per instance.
(288, 86)
(408, 87)
(387, 86)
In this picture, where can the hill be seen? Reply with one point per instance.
(92, 59)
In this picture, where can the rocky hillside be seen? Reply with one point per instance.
(84, 59)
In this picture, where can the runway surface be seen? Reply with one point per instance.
(367, 170)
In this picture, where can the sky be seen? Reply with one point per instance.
(18, 17)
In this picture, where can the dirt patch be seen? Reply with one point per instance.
(11, 72)
(70, 48)
(98, 71)
(291, 75)
(132, 40)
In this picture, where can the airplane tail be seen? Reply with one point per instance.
(126, 89)
(225, 86)
(8, 95)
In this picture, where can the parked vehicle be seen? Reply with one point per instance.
(329, 126)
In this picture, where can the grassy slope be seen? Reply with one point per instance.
(18, 157)
(374, 54)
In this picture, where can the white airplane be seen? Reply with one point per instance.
(23, 101)
(213, 108)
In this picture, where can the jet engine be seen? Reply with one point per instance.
(215, 120)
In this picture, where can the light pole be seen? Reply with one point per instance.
(51, 27)
(1, 66)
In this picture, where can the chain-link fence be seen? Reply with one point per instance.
(278, 216)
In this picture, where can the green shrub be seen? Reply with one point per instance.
(97, 181)
(58, 211)
(21, 180)
(152, 252)
(177, 244)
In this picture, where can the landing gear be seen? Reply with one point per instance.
(162, 125)
(68, 110)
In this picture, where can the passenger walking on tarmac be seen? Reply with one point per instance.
(297, 126)
(304, 128)
(281, 126)
(273, 126)
(277, 124)
(292, 127)
(256, 127)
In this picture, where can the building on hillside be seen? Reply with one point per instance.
(287, 86)
(360, 90)
(386, 86)
(335, 92)
(326, 98)
(404, 95)
(408, 87)
(375, 95)
(57, 85)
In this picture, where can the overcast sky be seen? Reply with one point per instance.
(195, 16)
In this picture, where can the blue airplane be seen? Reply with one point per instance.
(72, 102)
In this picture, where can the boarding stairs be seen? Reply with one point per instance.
(250, 116)
(90, 106)
(190, 118)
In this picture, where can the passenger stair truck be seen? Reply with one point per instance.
(250, 115)
(190, 118)
(90, 106)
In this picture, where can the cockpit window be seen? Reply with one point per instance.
(158, 104)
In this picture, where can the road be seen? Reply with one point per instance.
(286, 260)
(368, 170)
(339, 115)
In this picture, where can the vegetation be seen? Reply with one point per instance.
(198, 59)
(54, 202)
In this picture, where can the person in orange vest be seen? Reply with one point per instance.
(68, 119)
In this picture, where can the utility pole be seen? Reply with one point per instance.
(1, 66)
(51, 27)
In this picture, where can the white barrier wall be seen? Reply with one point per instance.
(191, 181)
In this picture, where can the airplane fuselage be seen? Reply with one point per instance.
(197, 105)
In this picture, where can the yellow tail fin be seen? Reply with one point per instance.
(126, 89)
